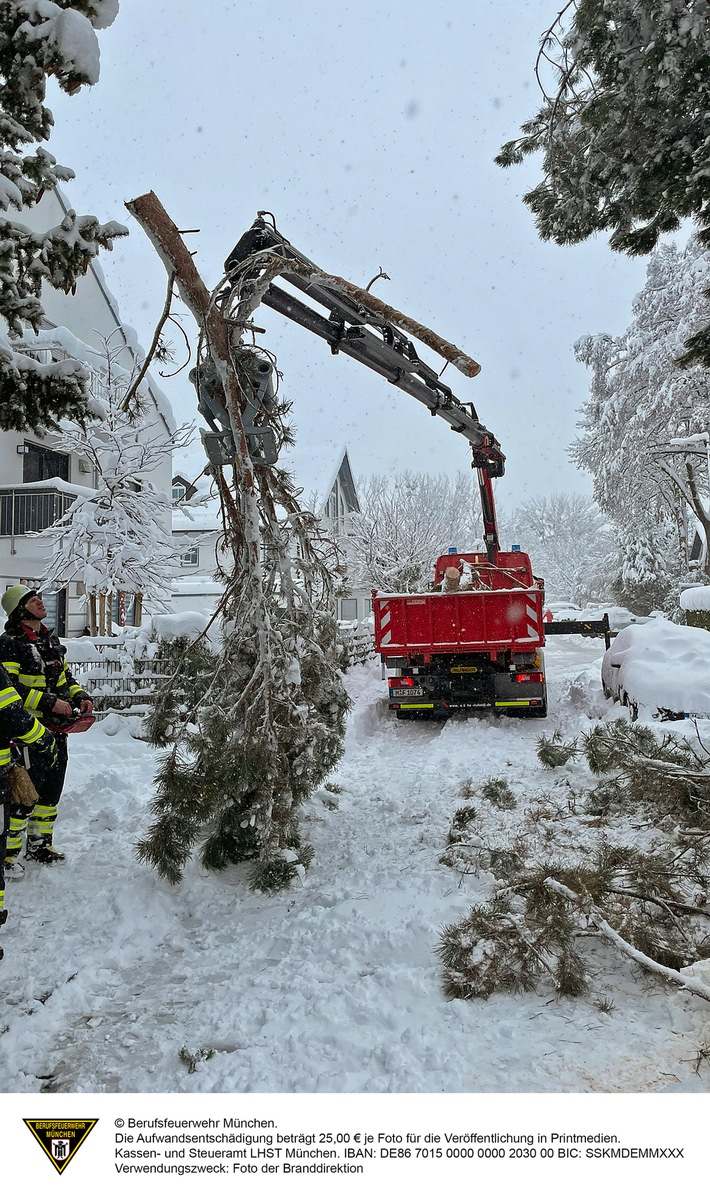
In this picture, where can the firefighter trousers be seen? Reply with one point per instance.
(39, 822)
(4, 824)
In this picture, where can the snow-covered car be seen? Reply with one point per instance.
(619, 616)
(660, 667)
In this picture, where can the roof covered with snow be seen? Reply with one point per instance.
(196, 515)
(315, 469)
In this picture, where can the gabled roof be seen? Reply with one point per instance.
(315, 469)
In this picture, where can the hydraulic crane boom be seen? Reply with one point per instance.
(358, 329)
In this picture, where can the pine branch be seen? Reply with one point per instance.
(594, 914)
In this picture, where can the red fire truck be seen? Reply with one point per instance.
(476, 648)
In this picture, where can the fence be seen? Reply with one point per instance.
(126, 681)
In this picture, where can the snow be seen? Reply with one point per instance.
(332, 987)
(69, 32)
(190, 516)
(695, 598)
(661, 665)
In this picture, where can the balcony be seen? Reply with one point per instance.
(30, 510)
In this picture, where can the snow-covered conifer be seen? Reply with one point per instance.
(640, 401)
(622, 126)
(39, 39)
(270, 721)
(270, 724)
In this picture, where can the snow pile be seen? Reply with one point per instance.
(112, 979)
(662, 666)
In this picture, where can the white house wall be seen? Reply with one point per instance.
(92, 316)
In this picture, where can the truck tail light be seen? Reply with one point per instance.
(529, 678)
(400, 682)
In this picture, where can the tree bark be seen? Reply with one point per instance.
(178, 262)
(93, 625)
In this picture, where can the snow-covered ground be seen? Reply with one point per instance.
(117, 982)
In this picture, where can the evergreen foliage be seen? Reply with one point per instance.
(652, 897)
(252, 730)
(499, 793)
(641, 427)
(553, 752)
(622, 127)
(39, 40)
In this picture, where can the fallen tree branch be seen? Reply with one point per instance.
(595, 916)
(272, 265)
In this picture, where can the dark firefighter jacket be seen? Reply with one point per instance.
(38, 670)
(15, 722)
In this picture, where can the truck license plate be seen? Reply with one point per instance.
(406, 692)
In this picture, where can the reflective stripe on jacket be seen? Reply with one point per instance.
(38, 670)
(15, 721)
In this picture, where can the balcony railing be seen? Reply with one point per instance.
(30, 510)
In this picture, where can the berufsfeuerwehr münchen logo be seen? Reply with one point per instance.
(60, 1139)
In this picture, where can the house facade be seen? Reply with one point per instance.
(37, 481)
(324, 474)
(197, 526)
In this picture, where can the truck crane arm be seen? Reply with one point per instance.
(354, 327)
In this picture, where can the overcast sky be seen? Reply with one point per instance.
(369, 130)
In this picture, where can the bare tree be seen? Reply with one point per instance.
(116, 537)
(406, 521)
(569, 541)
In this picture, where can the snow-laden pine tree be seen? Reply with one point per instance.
(116, 537)
(406, 521)
(41, 39)
(622, 128)
(640, 400)
(268, 723)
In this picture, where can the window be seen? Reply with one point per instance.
(348, 609)
(56, 604)
(179, 493)
(40, 463)
(190, 559)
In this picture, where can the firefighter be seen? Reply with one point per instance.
(15, 724)
(34, 659)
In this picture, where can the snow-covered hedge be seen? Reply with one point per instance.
(695, 603)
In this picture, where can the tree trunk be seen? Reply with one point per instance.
(93, 624)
